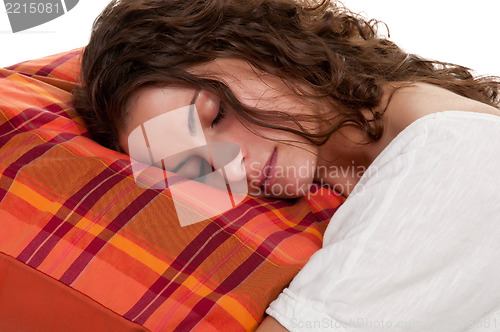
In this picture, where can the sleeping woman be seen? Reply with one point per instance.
(312, 93)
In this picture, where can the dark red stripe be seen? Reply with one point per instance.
(99, 185)
(197, 258)
(257, 209)
(238, 276)
(87, 255)
(14, 66)
(10, 173)
(196, 315)
(31, 119)
(22, 122)
(179, 264)
(49, 68)
(60, 109)
(46, 248)
(102, 239)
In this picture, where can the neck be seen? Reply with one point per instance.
(342, 161)
(346, 156)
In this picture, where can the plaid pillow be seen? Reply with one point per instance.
(71, 210)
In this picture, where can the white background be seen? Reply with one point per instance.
(458, 31)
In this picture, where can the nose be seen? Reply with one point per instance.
(235, 169)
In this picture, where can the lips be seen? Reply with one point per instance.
(268, 171)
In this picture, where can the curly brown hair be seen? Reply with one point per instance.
(332, 52)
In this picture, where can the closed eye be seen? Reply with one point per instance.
(220, 115)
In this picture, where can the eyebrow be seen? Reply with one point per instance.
(191, 124)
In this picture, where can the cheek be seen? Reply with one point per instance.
(123, 141)
(232, 130)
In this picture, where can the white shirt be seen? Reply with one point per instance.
(416, 246)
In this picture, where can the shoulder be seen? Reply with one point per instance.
(439, 160)
(409, 103)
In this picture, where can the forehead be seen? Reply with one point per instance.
(225, 67)
(149, 98)
(149, 102)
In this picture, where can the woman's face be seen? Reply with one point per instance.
(272, 168)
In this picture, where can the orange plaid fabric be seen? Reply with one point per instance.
(71, 209)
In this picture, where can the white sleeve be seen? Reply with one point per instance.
(416, 246)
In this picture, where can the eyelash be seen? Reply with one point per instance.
(220, 115)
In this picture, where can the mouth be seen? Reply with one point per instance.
(268, 172)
